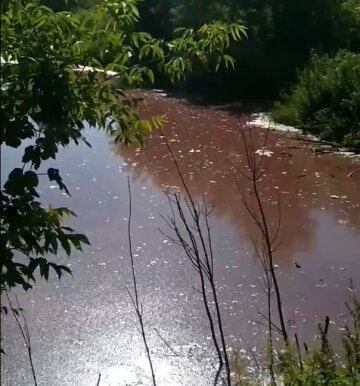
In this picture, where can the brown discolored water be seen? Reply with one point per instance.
(85, 324)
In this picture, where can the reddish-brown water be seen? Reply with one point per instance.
(85, 324)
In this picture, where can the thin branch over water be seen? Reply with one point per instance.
(24, 330)
(197, 245)
(135, 296)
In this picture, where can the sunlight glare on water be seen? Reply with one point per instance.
(85, 324)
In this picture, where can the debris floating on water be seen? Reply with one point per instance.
(264, 152)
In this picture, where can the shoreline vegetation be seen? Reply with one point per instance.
(326, 99)
(302, 57)
(261, 116)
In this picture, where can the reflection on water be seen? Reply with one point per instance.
(85, 325)
(207, 145)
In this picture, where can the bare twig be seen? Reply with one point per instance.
(266, 317)
(135, 297)
(23, 327)
(194, 255)
(264, 250)
(258, 215)
(166, 343)
(299, 353)
(197, 245)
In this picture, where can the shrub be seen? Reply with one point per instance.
(326, 99)
(326, 364)
(323, 364)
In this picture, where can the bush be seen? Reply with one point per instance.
(323, 364)
(327, 364)
(326, 99)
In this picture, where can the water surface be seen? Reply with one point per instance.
(85, 324)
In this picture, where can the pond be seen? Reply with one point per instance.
(85, 324)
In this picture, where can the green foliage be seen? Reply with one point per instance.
(58, 71)
(351, 18)
(325, 365)
(281, 34)
(320, 365)
(326, 99)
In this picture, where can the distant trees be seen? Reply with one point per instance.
(282, 37)
(281, 34)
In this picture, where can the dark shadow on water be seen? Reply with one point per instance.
(228, 104)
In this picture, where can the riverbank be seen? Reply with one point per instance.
(260, 117)
(265, 121)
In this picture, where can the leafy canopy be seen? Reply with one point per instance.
(58, 71)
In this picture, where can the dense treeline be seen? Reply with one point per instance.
(281, 34)
(283, 37)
